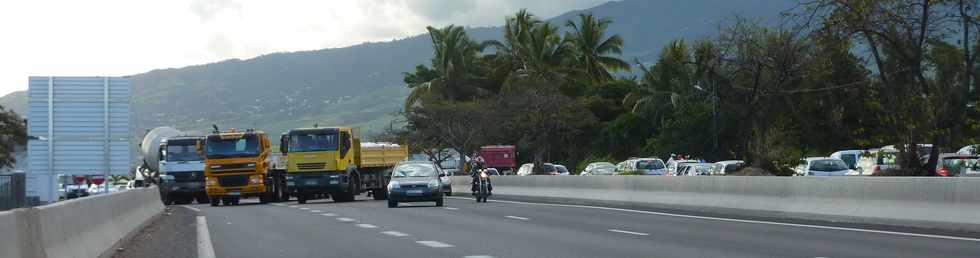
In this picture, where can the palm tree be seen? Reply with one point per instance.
(454, 61)
(593, 49)
(508, 56)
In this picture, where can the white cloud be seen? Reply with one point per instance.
(123, 37)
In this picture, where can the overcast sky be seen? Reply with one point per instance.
(124, 37)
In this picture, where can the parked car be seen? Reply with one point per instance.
(694, 169)
(822, 166)
(493, 172)
(599, 169)
(850, 157)
(528, 169)
(674, 164)
(647, 166)
(727, 167)
(562, 170)
(969, 149)
(415, 181)
(952, 164)
(884, 159)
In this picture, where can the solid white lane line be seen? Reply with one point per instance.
(191, 208)
(451, 208)
(740, 220)
(628, 232)
(517, 218)
(395, 233)
(478, 256)
(329, 214)
(205, 249)
(293, 206)
(366, 226)
(304, 208)
(346, 219)
(315, 211)
(434, 244)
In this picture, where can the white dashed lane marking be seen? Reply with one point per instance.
(366, 226)
(628, 232)
(315, 211)
(329, 214)
(451, 208)
(395, 234)
(304, 208)
(517, 218)
(434, 244)
(478, 256)
(346, 219)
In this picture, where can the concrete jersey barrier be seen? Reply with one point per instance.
(944, 203)
(84, 228)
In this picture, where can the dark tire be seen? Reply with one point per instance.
(202, 199)
(263, 199)
(450, 193)
(439, 202)
(184, 200)
(235, 200)
(392, 203)
(379, 194)
(215, 201)
(343, 197)
(301, 199)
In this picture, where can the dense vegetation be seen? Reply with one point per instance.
(833, 75)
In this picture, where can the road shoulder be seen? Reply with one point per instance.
(172, 234)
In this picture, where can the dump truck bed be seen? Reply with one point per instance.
(382, 154)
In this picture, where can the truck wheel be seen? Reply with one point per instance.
(202, 199)
(301, 198)
(343, 197)
(263, 199)
(379, 194)
(215, 201)
(439, 202)
(392, 203)
(450, 193)
(234, 200)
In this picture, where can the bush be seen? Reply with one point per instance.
(631, 173)
(751, 171)
(895, 172)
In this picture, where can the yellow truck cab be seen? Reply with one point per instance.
(237, 165)
(332, 161)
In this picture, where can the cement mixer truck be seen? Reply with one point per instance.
(168, 151)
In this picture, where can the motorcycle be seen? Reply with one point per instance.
(483, 187)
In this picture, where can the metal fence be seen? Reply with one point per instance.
(12, 191)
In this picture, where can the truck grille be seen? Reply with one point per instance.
(182, 177)
(307, 166)
(233, 181)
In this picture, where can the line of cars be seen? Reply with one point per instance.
(646, 166)
(874, 161)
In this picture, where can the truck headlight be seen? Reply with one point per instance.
(215, 166)
(393, 185)
(211, 181)
(251, 165)
(434, 184)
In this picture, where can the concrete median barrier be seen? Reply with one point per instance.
(84, 227)
(942, 203)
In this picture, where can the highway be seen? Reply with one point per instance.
(463, 228)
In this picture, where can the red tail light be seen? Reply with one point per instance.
(876, 169)
(943, 172)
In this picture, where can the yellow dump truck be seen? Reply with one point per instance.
(237, 164)
(333, 162)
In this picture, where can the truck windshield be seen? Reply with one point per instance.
(313, 141)
(183, 150)
(246, 146)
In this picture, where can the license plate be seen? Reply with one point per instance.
(234, 193)
(333, 182)
(312, 182)
(414, 192)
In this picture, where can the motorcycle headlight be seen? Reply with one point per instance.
(393, 185)
(434, 184)
(255, 180)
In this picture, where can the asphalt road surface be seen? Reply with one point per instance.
(463, 228)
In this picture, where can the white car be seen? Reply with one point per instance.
(674, 164)
(822, 166)
(599, 168)
(727, 167)
(647, 166)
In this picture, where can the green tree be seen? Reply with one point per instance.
(13, 136)
(455, 73)
(593, 50)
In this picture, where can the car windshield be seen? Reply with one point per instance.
(415, 170)
(827, 165)
(850, 160)
(956, 164)
(561, 169)
(649, 164)
(244, 146)
(313, 141)
(183, 150)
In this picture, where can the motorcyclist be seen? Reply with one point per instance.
(477, 164)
